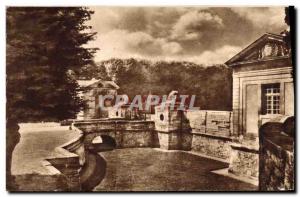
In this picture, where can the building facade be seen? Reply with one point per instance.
(262, 84)
(90, 93)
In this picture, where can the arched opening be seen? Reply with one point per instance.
(103, 143)
(106, 139)
(161, 117)
(100, 85)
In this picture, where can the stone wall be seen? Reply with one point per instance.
(205, 132)
(71, 163)
(198, 133)
(214, 146)
(244, 161)
(211, 122)
(69, 168)
(278, 170)
(211, 132)
(175, 140)
(135, 139)
(276, 159)
(127, 134)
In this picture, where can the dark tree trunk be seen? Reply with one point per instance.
(12, 139)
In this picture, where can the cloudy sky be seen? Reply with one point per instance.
(197, 34)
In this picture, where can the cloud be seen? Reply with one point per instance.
(125, 44)
(263, 17)
(104, 19)
(220, 55)
(208, 58)
(195, 24)
(198, 34)
(171, 47)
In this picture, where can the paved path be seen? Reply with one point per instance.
(38, 142)
(146, 169)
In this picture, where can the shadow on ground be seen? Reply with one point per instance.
(146, 169)
(93, 172)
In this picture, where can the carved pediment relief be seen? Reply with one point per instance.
(268, 50)
(273, 49)
(266, 47)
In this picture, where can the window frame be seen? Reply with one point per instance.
(271, 99)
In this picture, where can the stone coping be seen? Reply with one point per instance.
(280, 141)
(101, 120)
(178, 131)
(51, 169)
(221, 137)
(111, 120)
(217, 111)
(224, 172)
(68, 147)
(121, 130)
(245, 147)
(112, 125)
(274, 133)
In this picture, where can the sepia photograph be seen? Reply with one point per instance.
(150, 98)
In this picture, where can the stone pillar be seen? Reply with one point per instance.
(173, 133)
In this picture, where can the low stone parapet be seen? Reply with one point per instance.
(125, 133)
(212, 122)
(277, 155)
(212, 145)
(244, 160)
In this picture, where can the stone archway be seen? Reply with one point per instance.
(106, 139)
(102, 143)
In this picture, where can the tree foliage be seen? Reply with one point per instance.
(93, 70)
(43, 43)
(287, 20)
(211, 85)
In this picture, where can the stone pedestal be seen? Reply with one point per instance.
(173, 129)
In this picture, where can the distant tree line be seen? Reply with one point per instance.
(211, 84)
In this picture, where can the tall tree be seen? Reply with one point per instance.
(287, 33)
(42, 45)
